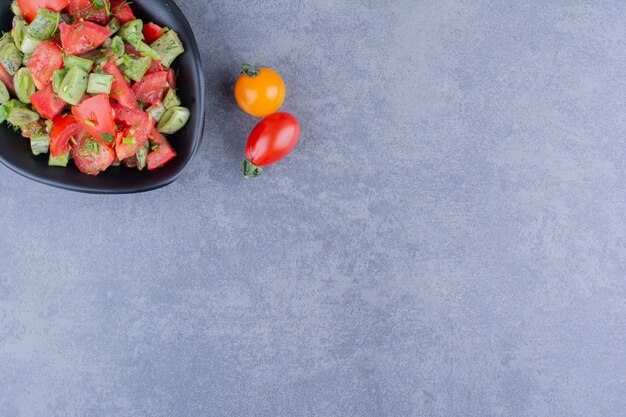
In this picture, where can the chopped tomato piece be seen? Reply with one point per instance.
(156, 66)
(121, 10)
(127, 116)
(63, 129)
(91, 156)
(130, 50)
(157, 137)
(171, 78)
(136, 128)
(82, 37)
(152, 32)
(46, 59)
(6, 79)
(85, 9)
(47, 103)
(120, 91)
(96, 117)
(29, 7)
(152, 87)
(161, 155)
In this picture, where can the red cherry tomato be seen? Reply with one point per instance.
(270, 141)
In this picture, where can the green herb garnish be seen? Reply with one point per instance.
(107, 137)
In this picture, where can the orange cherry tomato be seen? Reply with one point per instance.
(259, 91)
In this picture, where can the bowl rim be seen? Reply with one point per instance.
(197, 138)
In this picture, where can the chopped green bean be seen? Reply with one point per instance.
(117, 46)
(156, 111)
(76, 61)
(136, 42)
(114, 26)
(40, 144)
(128, 29)
(11, 58)
(4, 112)
(169, 47)
(100, 83)
(57, 79)
(24, 85)
(21, 116)
(142, 156)
(59, 161)
(136, 68)
(18, 31)
(29, 44)
(4, 93)
(44, 25)
(5, 39)
(145, 50)
(173, 120)
(74, 86)
(171, 99)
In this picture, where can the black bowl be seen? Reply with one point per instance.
(15, 151)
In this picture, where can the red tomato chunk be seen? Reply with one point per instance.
(81, 38)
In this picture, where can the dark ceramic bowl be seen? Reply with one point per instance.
(15, 151)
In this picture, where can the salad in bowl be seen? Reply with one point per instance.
(86, 81)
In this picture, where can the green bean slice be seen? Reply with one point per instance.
(24, 85)
(11, 58)
(44, 25)
(74, 86)
(173, 120)
(169, 47)
(40, 144)
(21, 116)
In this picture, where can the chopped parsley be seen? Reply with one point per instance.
(107, 137)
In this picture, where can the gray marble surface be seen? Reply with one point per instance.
(447, 240)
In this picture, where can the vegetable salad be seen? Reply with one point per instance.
(86, 80)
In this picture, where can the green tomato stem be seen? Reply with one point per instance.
(250, 170)
(249, 70)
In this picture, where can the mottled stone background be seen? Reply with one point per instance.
(447, 240)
